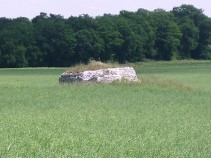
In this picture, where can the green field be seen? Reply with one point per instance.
(167, 115)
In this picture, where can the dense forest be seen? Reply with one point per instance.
(51, 40)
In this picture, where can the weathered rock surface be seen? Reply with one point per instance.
(100, 76)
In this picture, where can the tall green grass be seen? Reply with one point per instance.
(167, 115)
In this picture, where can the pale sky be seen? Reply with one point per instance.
(67, 8)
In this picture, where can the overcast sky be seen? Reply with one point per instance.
(32, 8)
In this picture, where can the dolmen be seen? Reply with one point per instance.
(108, 75)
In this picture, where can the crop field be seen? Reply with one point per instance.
(167, 115)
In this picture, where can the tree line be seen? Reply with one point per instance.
(51, 40)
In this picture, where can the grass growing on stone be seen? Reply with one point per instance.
(160, 117)
(92, 65)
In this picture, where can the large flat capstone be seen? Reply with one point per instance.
(100, 76)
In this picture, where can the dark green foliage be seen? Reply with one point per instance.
(168, 35)
(55, 40)
(51, 40)
(196, 29)
(15, 36)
